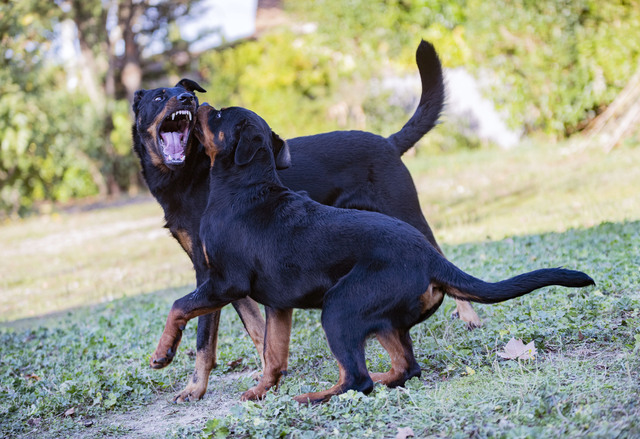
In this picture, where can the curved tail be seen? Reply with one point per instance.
(431, 101)
(463, 286)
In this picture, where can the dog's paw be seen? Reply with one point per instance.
(255, 393)
(167, 347)
(159, 360)
(474, 325)
(191, 393)
(312, 398)
(466, 313)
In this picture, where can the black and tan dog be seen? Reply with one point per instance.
(368, 272)
(351, 169)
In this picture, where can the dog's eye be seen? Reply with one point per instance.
(157, 98)
(218, 114)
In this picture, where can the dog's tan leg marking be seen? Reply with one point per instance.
(206, 255)
(467, 314)
(172, 334)
(276, 352)
(170, 339)
(205, 362)
(324, 396)
(392, 343)
(253, 322)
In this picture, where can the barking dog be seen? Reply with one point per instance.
(369, 273)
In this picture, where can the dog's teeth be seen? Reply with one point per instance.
(189, 113)
(173, 116)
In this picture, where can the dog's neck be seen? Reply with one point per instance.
(235, 185)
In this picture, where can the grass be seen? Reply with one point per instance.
(66, 260)
(110, 275)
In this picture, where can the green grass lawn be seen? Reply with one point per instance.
(84, 297)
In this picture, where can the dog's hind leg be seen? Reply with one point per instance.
(465, 312)
(346, 332)
(276, 352)
(404, 366)
(253, 323)
(353, 373)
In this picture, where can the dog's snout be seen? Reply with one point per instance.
(185, 98)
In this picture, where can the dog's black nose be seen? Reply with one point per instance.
(185, 98)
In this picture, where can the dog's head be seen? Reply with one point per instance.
(239, 134)
(164, 118)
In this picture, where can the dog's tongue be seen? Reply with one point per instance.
(172, 144)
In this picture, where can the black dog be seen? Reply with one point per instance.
(368, 272)
(351, 169)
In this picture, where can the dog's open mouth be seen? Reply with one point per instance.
(174, 134)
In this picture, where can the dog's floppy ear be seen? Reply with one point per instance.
(190, 85)
(249, 142)
(280, 151)
(136, 99)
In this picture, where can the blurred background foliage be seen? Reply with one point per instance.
(549, 66)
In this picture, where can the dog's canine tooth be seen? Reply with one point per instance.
(173, 116)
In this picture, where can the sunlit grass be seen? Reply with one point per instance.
(65, 260)
(491, 194)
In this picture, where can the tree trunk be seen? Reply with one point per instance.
(131, 76)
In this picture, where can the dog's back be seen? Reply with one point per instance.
(362, 170)
(275, 227)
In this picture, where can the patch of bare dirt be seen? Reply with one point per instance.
(157, 419)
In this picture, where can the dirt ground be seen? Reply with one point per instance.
(160, 417)
(155, 420)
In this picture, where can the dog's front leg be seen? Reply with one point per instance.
(253, 323)
(206, 346)
(199, 302)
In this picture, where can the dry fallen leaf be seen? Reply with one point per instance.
(516, 350)
(70, 412)
(404, 433)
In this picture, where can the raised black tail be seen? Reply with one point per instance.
(466, 287)
(431, 101)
